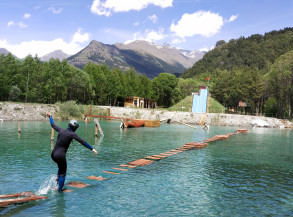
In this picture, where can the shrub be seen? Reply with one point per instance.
(70, 109)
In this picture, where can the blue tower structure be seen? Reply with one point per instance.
(199, 100)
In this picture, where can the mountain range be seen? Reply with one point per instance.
(144, 57)
(57, 54)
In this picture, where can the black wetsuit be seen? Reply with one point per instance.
(64, 139)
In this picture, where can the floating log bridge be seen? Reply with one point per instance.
(17, 198)
(77, 184)
(100, 178)
(186, 124)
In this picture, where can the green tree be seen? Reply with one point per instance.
(29, 78)
(14, 93)
(132, 82)
(271, 107)
(165, 91)
(187, 86)
(145, 86)
(79, 88)
(280, 84)
(98, 82)
(8, 73)
(55, 76)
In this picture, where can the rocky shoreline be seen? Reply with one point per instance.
(37, 112)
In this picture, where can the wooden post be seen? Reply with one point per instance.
(52, 135)
(96, 130)
(19, 130)
(98, 127)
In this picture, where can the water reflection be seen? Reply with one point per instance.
(58, 208)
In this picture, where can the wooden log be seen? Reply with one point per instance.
(167, 154)
(242, 131)
(140, 162)
(52, 134)
(159, 156)
(113, 173)
(200, 145)
(77, 184)
(174, 150)
(98, 127)
(100, 178)
(152, 158)
(152, 123)
(181, 149)
(186, 124)
(171, 152)
(16, 195)
(19, 198)
(96, 131)
(125, 165)
(115, 168)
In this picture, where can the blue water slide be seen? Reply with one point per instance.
(199, 103)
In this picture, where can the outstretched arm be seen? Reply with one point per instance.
(52, 122)
(84, 143)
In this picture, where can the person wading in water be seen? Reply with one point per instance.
(64, 139)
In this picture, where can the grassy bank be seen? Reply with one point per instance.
(70, 109)
(185, 105)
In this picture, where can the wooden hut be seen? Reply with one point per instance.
(139, 102)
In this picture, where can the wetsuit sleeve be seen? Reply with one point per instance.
(81, 141)
(53, 125)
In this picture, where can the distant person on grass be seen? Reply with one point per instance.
(64, 139)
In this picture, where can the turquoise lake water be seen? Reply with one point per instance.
(246, 175)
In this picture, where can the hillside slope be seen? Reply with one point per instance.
(258, 51)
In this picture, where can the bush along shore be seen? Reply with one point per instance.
(37, 112)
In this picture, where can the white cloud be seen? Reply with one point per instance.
(42, 48)
(203, 23)
(55, 11)
(10, 23)
(107, 7)
(19, 24)
(178, 41)
(148, 35)
(155, 36)
(136, 23)
(232, 18)
(205, 49)
(78, 37)
(26, 16)
(153, 18)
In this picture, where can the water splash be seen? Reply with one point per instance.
(49, 184)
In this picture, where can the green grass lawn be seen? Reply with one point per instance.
(185, 105)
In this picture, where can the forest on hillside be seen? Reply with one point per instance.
(257, 70)
(33, 81)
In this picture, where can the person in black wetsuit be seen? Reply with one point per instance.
(64, 139)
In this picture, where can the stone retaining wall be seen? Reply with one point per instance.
(37, 112)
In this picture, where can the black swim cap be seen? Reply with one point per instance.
(73, 125)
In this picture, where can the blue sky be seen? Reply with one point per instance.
(42, 26)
